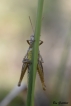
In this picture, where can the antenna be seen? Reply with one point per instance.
(31, 23)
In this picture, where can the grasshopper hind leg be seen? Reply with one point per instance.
(24, 68)
(41, 74)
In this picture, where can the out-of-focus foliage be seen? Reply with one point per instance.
(15, 29)
(16, 102)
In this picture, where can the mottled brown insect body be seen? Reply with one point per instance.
(27, 63)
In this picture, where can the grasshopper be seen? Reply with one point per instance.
(27, 62)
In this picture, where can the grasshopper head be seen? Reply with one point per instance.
(31, 39)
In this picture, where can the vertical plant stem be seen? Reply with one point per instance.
(33, 67)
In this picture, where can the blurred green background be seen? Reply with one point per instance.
(15, 29)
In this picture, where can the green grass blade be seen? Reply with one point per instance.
(33, 67)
